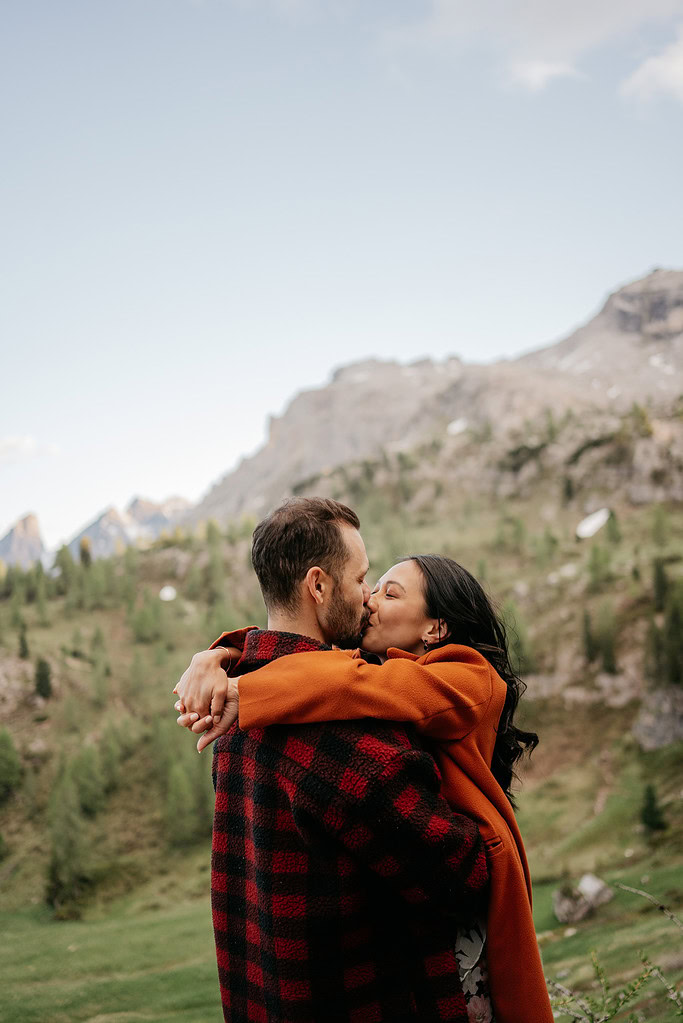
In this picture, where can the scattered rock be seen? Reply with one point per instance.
(660, 721)
(573, 904)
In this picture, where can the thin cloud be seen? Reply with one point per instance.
(537, 41)
(659, 75)
(19, 449)
(536, 74)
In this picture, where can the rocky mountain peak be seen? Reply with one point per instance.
(23, 544)
(651, 307)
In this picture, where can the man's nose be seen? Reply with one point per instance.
(366, 594)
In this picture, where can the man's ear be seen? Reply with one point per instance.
(317, 582)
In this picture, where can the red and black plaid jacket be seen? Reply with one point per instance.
(338, 871)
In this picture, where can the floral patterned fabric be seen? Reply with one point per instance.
(470, 951)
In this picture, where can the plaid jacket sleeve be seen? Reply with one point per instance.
(398, 825)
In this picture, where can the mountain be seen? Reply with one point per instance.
(142, 521)
(631, 352)
(23, 544)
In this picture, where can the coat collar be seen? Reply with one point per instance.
(264, 645)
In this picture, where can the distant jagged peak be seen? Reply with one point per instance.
(27, 526)
(22, 544)
(142, 508)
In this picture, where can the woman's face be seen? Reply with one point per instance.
(398, 616)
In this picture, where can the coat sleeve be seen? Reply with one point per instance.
(444, 694)
(401, 829)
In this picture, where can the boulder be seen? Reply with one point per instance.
(573, 904)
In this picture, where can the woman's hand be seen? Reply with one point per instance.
(203, 686)
(213, 726)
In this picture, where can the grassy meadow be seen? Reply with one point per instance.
(105, 822)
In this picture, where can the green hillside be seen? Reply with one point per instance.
(106, 811)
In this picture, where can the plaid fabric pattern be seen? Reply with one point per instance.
(339, 873)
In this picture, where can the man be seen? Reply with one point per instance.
(338, 871)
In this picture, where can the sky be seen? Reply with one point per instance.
(208, 205)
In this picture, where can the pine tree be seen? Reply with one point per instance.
(10, 766)
(607, 635)
(85, 551)
(598, 566)
(68, 875)
(100, 685)
(213, 534)
(97, 644)
(651, 814)
(590, 645)
(192, 585)
(111, 755)
(672, 636)
(43, 679)
(76, 649)
(90, 781)
(521, 654)
(66, 567)
(181, 827)
(41, 597)
(612, 531)
(654, 661)
(660, 526)
(660, 584)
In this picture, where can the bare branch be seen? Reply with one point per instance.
(653, 900)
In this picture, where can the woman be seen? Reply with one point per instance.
(445, 667)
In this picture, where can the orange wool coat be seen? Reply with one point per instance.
(455, 698)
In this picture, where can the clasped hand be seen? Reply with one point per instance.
(208, 699)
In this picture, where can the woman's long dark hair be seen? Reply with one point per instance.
(454, 596)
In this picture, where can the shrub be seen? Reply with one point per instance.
(598, 566)
(68, 876)
(43, 679)
(654, 660)
(181, 828)
(651, 814)
(606, 639)
(10, 766)
(660, 584)
(672, 637)
(89, 779)
(590, 644)
(521, 653)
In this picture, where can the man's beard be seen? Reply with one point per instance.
(342, 625)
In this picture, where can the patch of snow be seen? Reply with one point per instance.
(456, 426)
(568, 571)
(659, 362)
(592, 523)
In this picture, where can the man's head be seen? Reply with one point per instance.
(310, 561)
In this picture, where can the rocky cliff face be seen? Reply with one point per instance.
(23, 544)
(632, 351)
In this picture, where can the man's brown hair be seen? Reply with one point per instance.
(301, 533)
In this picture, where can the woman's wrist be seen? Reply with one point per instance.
(227, 657)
